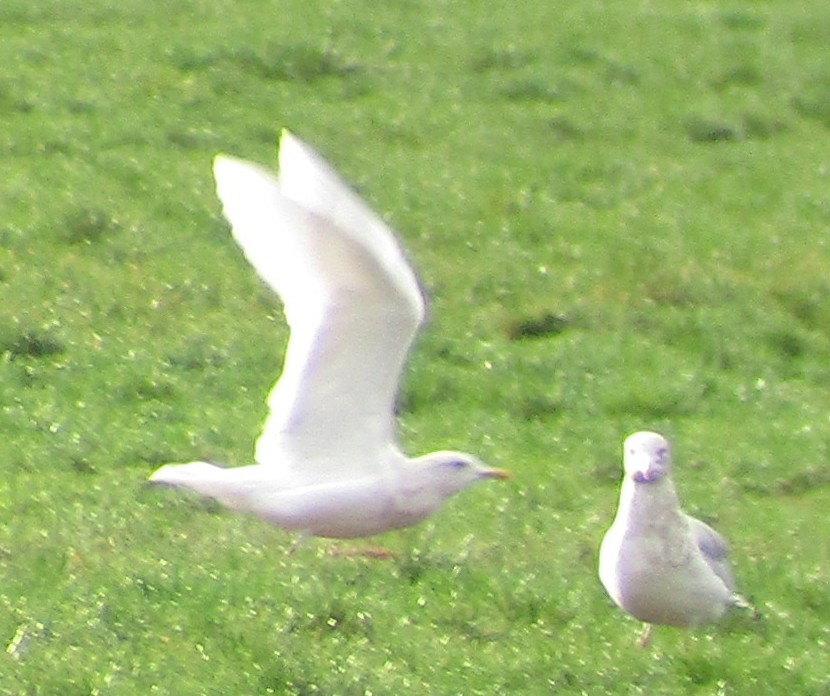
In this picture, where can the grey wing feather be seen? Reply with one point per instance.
(715, 550)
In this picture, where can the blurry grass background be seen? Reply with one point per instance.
(621, 212)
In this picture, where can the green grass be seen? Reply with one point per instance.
(621, 212)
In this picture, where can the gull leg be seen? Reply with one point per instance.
(644, 641)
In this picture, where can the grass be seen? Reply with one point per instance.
(621, 213)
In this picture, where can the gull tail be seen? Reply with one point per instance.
(185, 475)
(205, 479)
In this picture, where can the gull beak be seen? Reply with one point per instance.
(500, 474)
(647, 476)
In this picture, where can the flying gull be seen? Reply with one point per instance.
(327, 461)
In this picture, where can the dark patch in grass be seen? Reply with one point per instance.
(414, 567)
(528, 606)
(87, 226)
(808, 306)
(756, 126)
(396, 132)
(81, 465)
(804, 482)
(300, 62)
(535, 499)
(161, 588)
(412, 570)
(742, 75)
(699, 669)
(670, 292)
(208, 506)
(533, 91)
(294, 63)
(740, 19)
(540, 408)
(510, 58)
(565, 681)
(618, 73)
(191, 139)
(814, 596)
(607, 473)
(652, 407)
(585, 55)
(338, 617)
(33, 344)
(449, 354)
(184, 58)
(278, 678)
(566, 129)
(80, 107)
(473, 630)
(814, 101)
(197, 357)
(614, 73)
(701, 130)
(752, 486)
(786, 344)
(55, 147)
(762, 127)
(547, 324)
(148, 389)
(7, 98)
(10, 102)
(154, 457)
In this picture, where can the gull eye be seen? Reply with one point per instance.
(458, 464)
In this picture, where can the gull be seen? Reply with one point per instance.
(327, 462)
(657, 563)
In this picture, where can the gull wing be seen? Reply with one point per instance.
(307, 179)
(353, 305)
(715, 550)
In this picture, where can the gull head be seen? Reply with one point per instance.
(647, 457)
(451, 472)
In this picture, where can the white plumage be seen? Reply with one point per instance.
(657, 563)
(327, 460)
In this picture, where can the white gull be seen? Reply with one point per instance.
(327, 460)
(657, 563)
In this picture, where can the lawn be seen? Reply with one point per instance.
(621, 213)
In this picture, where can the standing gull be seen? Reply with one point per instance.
(327, 461)
(659, 564)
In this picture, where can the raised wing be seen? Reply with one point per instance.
(715, 550)
(353, 306)
(308, 180)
